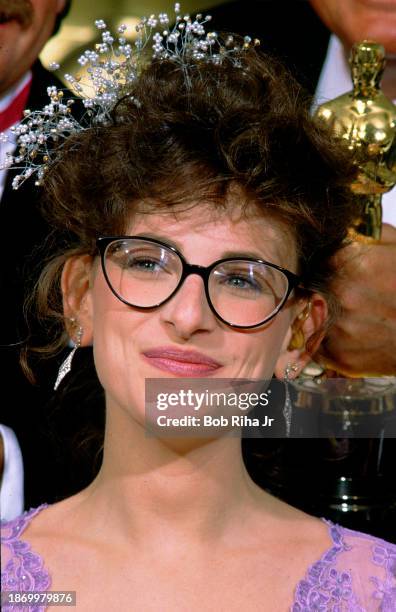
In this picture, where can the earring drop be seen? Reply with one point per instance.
(297, 340)
(288, 407)
(66, 365)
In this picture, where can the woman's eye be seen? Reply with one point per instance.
(148, 265)
(240, 282)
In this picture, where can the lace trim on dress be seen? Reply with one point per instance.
(385, 556)
(326, 589)
(24, 571)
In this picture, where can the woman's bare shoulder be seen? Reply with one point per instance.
(287, 523)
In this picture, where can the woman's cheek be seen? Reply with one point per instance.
(117, 361)
(255, 354)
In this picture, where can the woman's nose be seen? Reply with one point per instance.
(188, 310)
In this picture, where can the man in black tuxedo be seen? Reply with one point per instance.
(25, 241)
(288, 29)
(298, 31)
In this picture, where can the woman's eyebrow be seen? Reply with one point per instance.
(161, 238)
(225, 254)
(243, 254)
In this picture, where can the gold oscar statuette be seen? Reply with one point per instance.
(365, 119)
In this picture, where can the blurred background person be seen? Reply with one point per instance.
(26, 25)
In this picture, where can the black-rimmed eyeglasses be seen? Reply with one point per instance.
(241, 292)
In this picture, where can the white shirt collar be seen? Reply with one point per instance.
(12, 92)
(335, 77)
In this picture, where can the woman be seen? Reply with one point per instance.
(202, 222)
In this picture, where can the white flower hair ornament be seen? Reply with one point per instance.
(111, 67)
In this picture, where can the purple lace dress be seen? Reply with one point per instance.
(356, 574)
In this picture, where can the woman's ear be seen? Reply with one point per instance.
(77, 299)
(304, 335)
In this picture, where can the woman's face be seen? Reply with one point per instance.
(131, 345)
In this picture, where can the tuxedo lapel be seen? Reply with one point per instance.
(22, 229)
(288, 29)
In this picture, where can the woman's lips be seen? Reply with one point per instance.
(181, 363)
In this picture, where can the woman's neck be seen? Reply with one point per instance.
(155, 496)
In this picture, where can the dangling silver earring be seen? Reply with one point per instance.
(66, 365)
(288, 407)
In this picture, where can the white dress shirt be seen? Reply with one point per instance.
(335, 80)
(11, 489)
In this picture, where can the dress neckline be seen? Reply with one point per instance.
(37, 575)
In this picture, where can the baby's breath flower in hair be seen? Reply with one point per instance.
(110, 68)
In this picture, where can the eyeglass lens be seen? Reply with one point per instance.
(145, 274)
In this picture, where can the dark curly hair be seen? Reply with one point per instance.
(182, 135)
